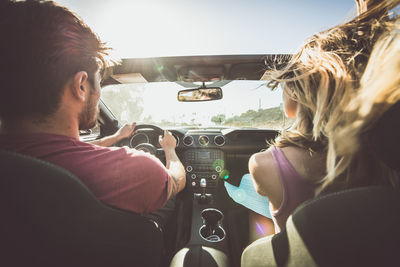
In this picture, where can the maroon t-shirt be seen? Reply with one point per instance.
(121, 177)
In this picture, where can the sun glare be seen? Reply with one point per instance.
(138, 29)
(154, 28)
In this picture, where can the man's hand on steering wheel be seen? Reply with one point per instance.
(167, 141)
(126, 131)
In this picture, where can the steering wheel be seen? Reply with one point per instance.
(147, 147)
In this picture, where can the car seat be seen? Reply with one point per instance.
(358, 227)
(50, 218)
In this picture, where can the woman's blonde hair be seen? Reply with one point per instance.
(350, 160)
(325, 70)
(313, 78)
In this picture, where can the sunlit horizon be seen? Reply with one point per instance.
(156, 28)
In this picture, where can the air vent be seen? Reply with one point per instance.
(188, 140)
(203, 140)
(219, 140)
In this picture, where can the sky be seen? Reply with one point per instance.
(153, 28)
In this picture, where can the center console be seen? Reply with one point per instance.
(205, 163)
(207, 244)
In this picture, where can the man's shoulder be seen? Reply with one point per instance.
(69, 151)
(54, 147)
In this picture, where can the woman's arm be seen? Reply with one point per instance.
(266, 177)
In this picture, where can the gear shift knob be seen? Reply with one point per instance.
(203, 183)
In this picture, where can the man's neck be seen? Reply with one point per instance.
(54, 124)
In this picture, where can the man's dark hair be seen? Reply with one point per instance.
(42, 46)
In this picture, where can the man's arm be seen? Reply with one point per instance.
(173, 164)
(125, 131)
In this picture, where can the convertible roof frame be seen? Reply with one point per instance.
(194, 68)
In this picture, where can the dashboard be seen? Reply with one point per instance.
(210, 154)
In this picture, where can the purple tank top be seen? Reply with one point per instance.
(295, 189)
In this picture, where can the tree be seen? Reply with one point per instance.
(125, 101)
(218, 119)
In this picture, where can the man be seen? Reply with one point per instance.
(50, 74)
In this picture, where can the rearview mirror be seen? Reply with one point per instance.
(200, 94)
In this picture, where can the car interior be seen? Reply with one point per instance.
(56, 221)
(220, 112)
(210, 155)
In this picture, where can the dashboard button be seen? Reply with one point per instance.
(193, 176)
(189, 168)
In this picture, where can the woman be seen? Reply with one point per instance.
(287, 173)
(355, 155)
(322, 76)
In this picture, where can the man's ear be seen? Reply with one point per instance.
(79, 85)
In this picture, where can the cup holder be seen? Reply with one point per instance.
(211, 230)
(216, 235)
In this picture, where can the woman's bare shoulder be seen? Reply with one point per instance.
(265, 175)
(262, 160)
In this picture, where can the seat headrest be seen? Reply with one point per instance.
(385, 137)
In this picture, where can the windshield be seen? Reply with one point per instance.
(245, 104)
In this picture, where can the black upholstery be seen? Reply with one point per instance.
(385, 136)
(49, 218)
(358, 227)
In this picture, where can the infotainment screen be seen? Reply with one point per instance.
(203, 155)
